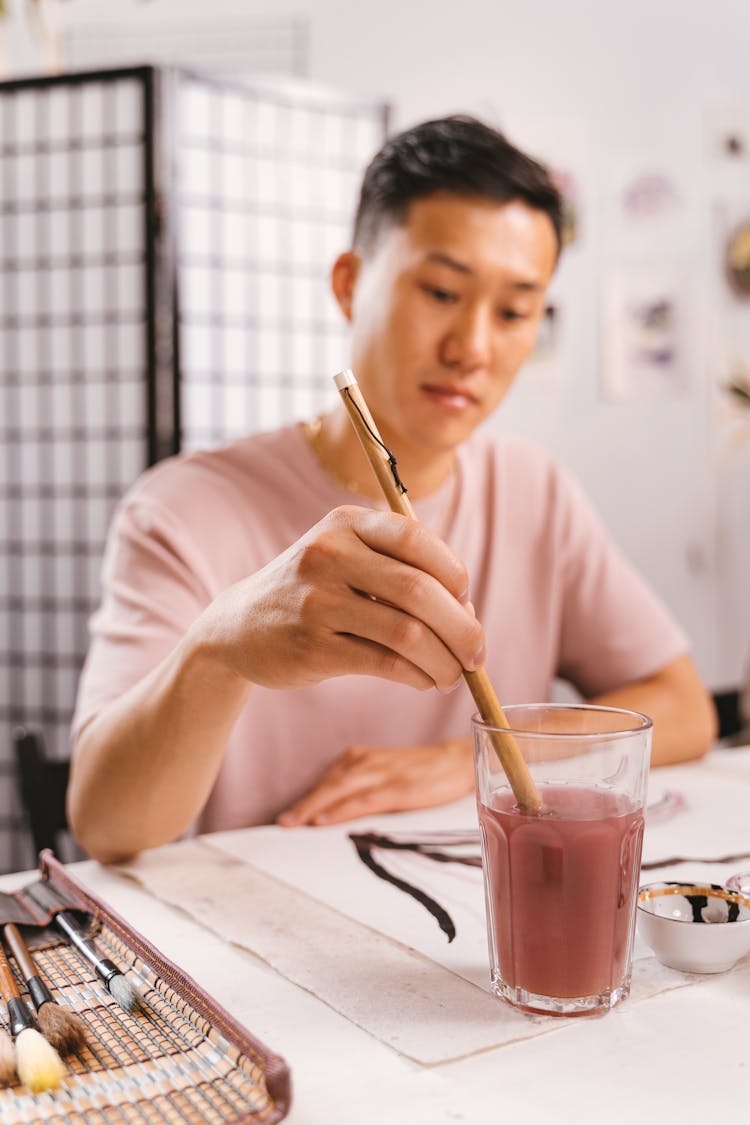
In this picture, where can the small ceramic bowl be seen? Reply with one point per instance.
(696, 927)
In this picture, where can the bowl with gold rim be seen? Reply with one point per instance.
(695, 927)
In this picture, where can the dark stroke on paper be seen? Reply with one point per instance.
(366, 843)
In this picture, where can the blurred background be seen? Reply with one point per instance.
(175, 181)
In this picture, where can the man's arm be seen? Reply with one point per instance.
(362, 592)
(143, 768)
(367, 780)
(684, 717)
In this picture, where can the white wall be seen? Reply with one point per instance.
(603, 90)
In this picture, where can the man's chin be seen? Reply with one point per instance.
(447, 428)
(438, 441)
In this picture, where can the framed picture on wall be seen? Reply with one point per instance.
(642, 333)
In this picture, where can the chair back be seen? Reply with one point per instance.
(43, 783)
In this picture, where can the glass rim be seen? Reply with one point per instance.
(643, 722)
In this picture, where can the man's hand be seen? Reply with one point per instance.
(363, 592)
(367, 780)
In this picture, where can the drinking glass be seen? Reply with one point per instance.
(561, 886)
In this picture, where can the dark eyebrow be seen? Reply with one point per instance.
(446, 260)
(527, 286)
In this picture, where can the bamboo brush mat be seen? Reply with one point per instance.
(166, 1064)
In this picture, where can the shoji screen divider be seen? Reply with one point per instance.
(164, 244)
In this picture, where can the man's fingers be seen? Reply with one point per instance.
(410, 542)
(422, 598)
(366, 780)
(347, 776)
(400, 564)
(363, 803)
(372, 659)
(396, 795)
(389, 581)
(407, 636)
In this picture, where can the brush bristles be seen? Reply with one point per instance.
(7, 1059)
(125, 994)
(62, 1027)
(38, 1064)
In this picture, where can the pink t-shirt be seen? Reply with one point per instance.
(553, 592)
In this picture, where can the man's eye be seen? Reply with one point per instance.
(512, 314)
(442, 295)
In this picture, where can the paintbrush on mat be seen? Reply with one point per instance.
(37, 1062)
(7, 1059)
(126, 995)
(60, 1025)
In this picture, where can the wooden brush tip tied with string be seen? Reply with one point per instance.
(37, 1062)
(383, 464)
(60, 1025)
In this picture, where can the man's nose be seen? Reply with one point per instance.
(467, 345)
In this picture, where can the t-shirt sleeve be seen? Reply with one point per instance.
(152, 591)
(614, 628)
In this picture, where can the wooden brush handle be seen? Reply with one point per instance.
(8, 985)
(20, 951)
(38, 990)
(488, 705)
(505, 745)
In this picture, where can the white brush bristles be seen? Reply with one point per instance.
(125, 994)
(38, 1064)
(7, 1059)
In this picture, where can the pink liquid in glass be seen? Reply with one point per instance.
(561, 893)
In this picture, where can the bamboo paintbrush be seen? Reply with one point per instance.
(126, 995)
(59, 1024)
(37, 1062)
(383, 464)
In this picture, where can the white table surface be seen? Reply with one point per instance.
(356, 1012)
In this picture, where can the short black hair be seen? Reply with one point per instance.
(457, 154)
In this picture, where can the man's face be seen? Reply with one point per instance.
(444, 310)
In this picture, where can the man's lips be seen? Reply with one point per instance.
(459, 398)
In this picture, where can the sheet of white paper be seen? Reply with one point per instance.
(323, 862)
(304, 901)
(402, 998)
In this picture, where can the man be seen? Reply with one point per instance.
(265, 620)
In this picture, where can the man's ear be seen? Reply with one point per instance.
(344, 276)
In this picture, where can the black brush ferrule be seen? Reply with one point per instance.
(38, 992)
(19, 1016)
